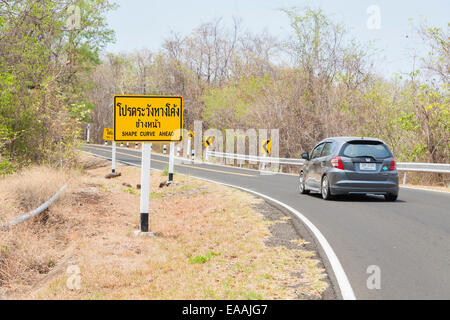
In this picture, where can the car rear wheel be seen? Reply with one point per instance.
(325, 189)
(390, 197)
(301, 184)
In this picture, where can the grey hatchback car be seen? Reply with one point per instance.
(349, 165)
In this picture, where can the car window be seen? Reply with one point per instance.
(317, 150)
(326, 151)
(376, 150)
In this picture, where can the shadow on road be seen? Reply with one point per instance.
(356, 198)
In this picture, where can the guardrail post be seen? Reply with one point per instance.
(404, 177)
(113, 161)
(171, 158)
(165, 148)
(188, 148)
(145, 185)
(88, 133)
(136, 145)
(193, 154)
(263, 163)
(128, 144)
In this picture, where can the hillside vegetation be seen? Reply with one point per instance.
(46, 59)
(317, 82)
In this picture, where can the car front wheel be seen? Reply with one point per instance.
(301, 184)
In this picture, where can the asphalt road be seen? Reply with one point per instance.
(409, 240)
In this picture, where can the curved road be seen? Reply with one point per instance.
(409, 240)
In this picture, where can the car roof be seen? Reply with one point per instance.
(347, 139)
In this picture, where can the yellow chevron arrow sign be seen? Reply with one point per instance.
(266, 146)
(208, 141)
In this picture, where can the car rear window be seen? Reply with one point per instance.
(376, 149)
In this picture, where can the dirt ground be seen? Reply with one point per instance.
(211, 242)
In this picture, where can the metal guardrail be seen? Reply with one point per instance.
(36, 211)
(401, 166)
(253, 158)
(424, 167)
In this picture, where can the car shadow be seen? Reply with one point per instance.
(357, 198)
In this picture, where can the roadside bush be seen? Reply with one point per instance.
(6, 167)
(33, 186)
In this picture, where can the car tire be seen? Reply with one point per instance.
(390, 197)
(325, 188)
(301, 184)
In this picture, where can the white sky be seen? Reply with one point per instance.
(145, 24)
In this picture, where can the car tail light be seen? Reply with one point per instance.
(393, 165)
(337, 163)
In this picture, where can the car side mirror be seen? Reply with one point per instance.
(305, 156)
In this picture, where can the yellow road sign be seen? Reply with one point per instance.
(266, 145)
(148, 118)
(108, 134)
(190, 134)
(208, 141)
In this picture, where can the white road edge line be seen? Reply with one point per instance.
(424, 189)
(341, 277)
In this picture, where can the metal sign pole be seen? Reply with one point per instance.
(88, 132)
(263, 163)
(188, 148)
(145, 185)
(171, 160)
(207, 150)
(113, 162)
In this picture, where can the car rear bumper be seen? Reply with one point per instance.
(340, 184)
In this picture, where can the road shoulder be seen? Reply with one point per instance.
(212, 242)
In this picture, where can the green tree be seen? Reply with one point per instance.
(43, 66)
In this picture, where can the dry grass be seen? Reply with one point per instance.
(431, 180)
(27, 190)
(209, 244)
(30, 249)
(28, 252)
